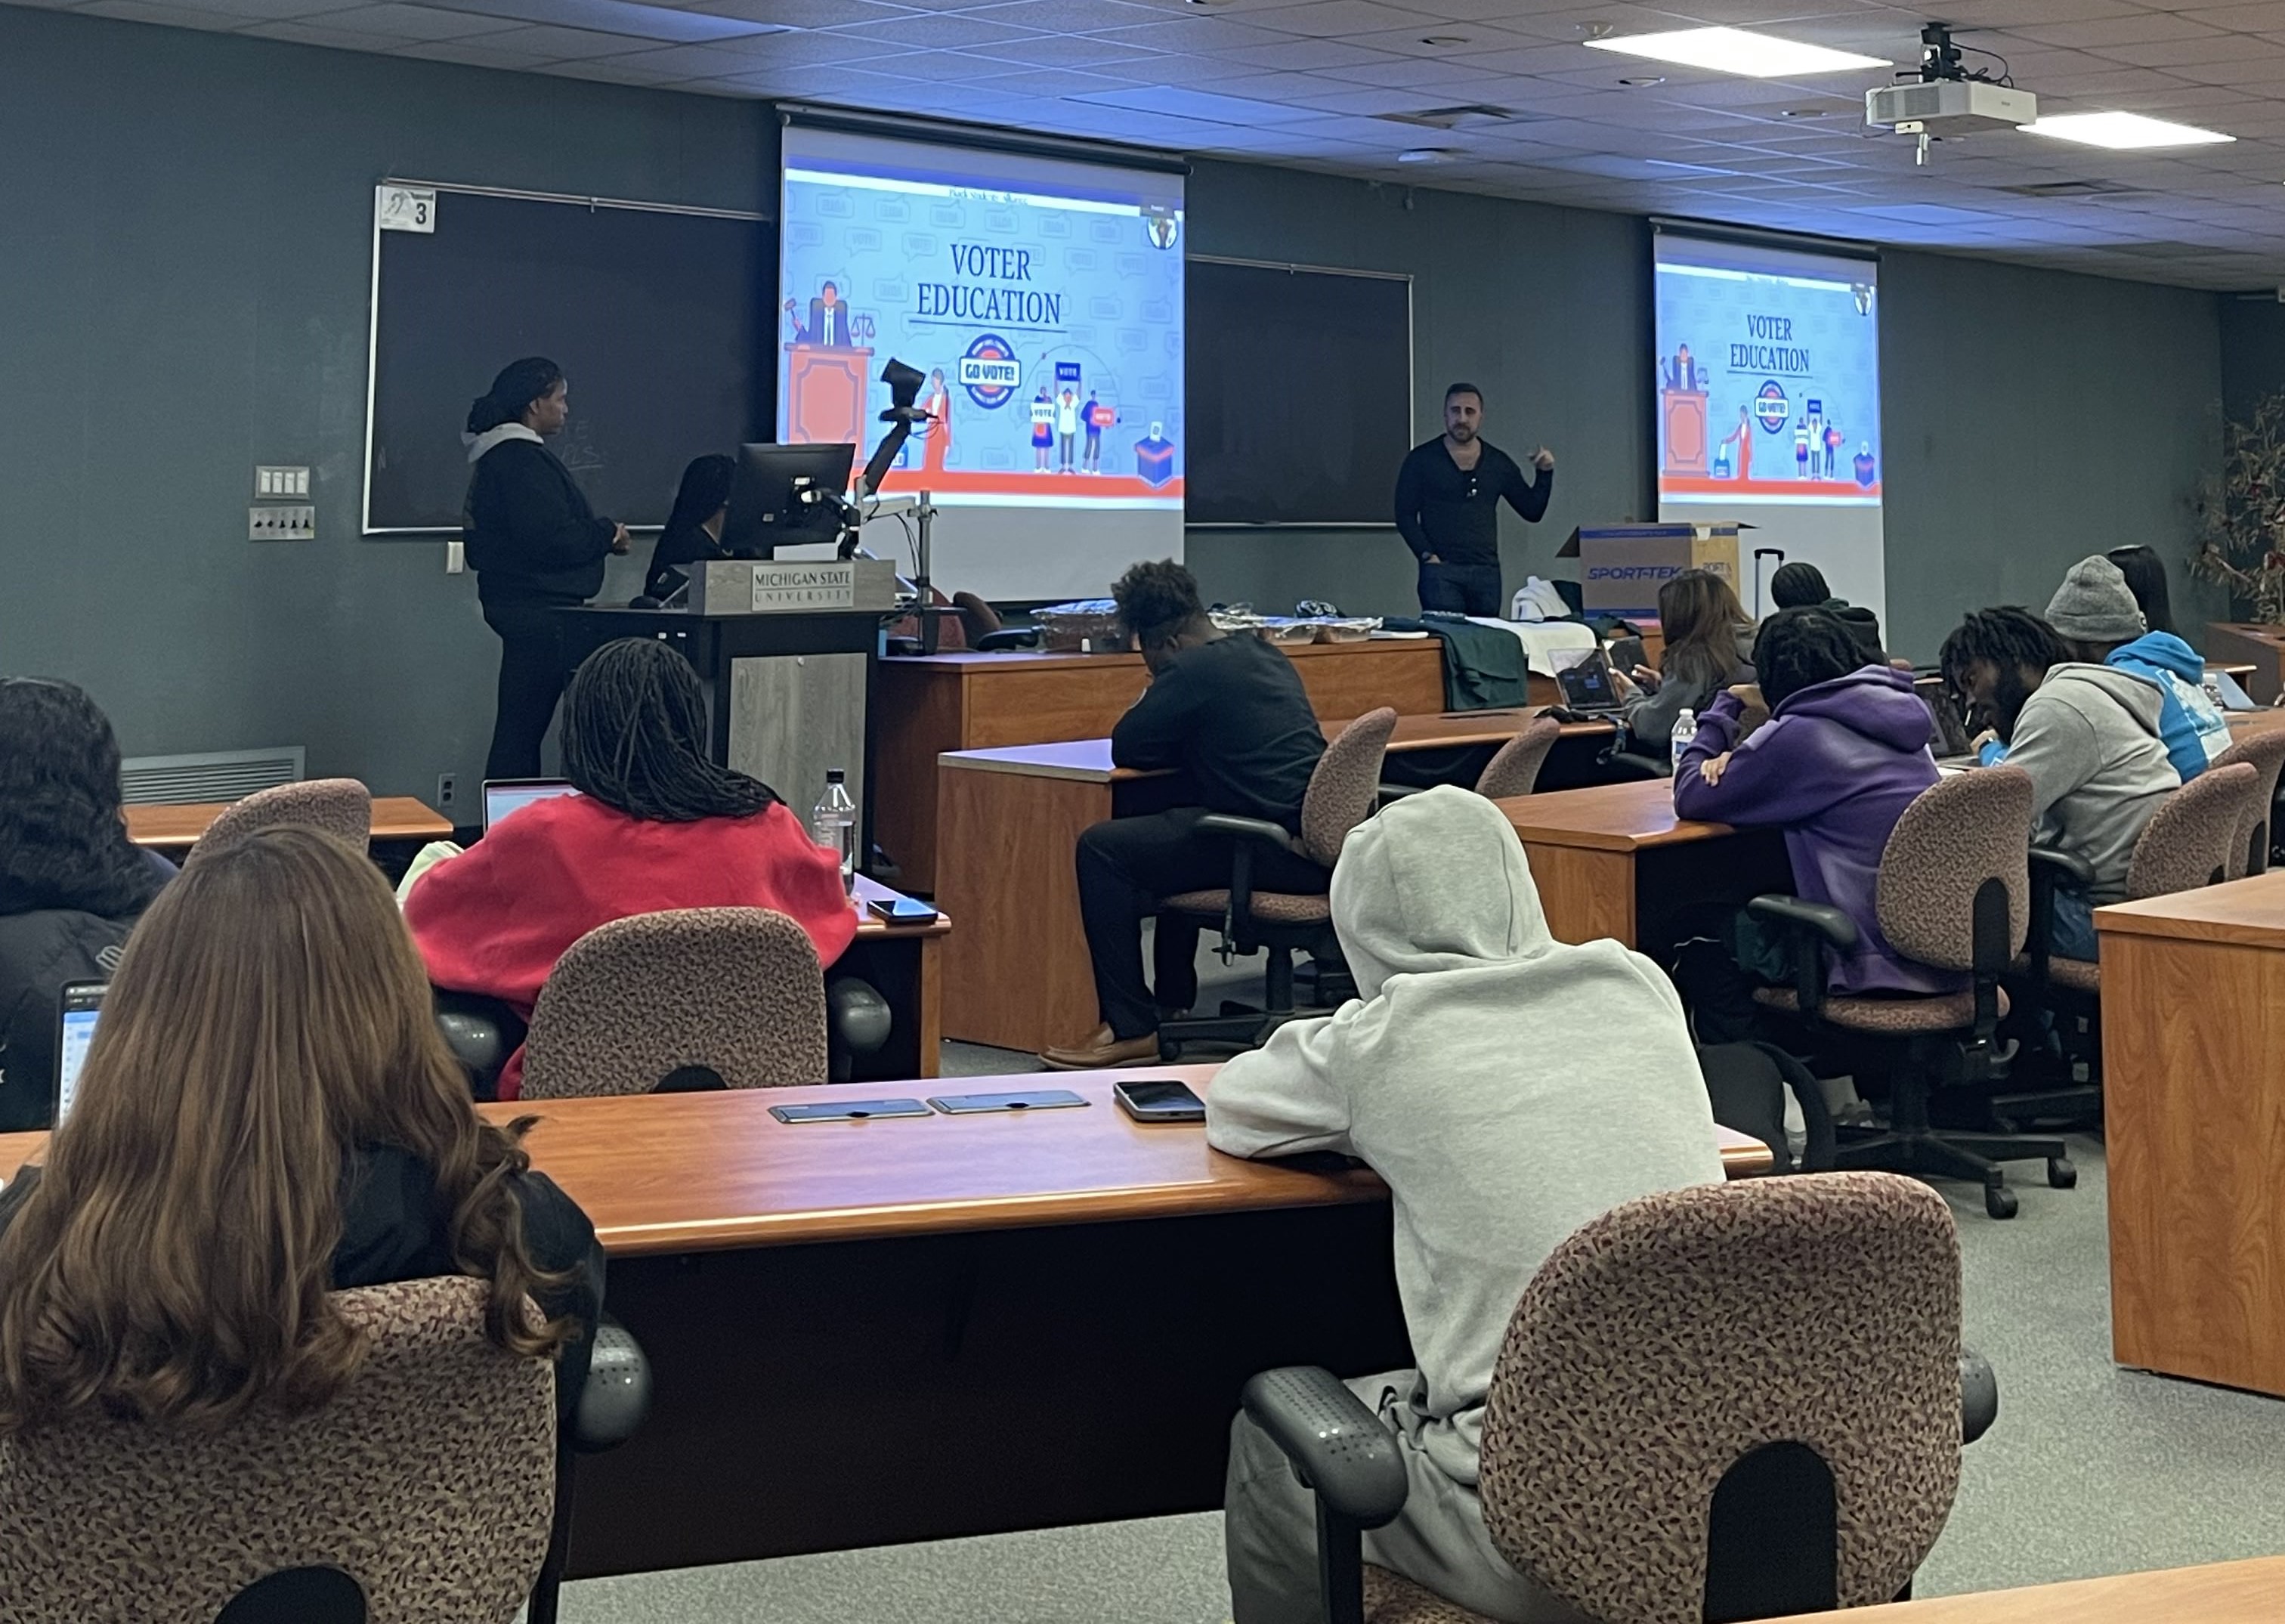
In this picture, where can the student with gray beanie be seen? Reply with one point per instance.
(2094, 612)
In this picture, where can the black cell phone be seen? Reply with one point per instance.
(849, 1110)
(902, 910)
(1036, 1099)
(1156, 1100)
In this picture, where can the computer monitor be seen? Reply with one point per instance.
(766, 506)
(503, 795)
(82, 1002)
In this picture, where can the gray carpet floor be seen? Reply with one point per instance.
(2089, 1469)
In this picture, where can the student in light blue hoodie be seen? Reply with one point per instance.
(2095, 614)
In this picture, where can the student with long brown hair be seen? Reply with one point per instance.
(268, 1114)
(1708, 634)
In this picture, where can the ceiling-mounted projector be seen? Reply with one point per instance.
(1949, 108)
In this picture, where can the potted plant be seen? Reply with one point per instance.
(2243, 543)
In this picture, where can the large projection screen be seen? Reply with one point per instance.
(1768, 403)
(1042, 297)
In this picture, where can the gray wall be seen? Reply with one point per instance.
(186, 273)
(185, 279)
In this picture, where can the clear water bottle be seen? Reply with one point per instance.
(834, 824)
(1686, 729)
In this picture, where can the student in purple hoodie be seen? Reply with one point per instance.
(1844, 752)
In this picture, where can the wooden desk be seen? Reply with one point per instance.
(905, 963)
(2223, 1593)
(176, 829)
(932, 703)
(1614, 861)
(2233, 643)
(871, 1332)
(1008, 821)
(2193, 1107)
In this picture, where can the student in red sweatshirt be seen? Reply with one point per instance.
(657, 824)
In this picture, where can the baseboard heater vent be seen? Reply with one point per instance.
(208, 775)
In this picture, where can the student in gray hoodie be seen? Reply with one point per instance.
(1495, 1145)
(2089, 736)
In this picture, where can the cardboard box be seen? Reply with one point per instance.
(1622, 566)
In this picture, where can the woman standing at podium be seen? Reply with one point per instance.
(536, 545)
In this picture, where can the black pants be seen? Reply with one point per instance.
(1462, 588)
(532, 678)
(1125, 867)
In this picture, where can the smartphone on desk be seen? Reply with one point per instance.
(1158, 1100)
(902, 910)
(849, 1110)
(1029, 1099)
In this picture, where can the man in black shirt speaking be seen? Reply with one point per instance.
(1232, 714)
(1448, 498)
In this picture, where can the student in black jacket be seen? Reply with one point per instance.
(267, 1115)
(536, 547)
(1230, 712)
(72, 885)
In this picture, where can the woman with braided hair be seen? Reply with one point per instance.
(656, 824)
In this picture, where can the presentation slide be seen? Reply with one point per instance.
(1042, 300)
(1767, 374)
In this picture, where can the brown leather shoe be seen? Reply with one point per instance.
(1102, 1051)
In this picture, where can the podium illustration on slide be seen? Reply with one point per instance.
(825, 393)
(1683, 420)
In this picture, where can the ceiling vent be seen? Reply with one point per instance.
(2076, 189)
(1475, 116)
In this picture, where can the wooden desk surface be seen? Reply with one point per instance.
(1607, 817)
(395, 817)
(1088, 760)
(711, 1172)
(870, 924)
(2248, 912)
(1020, 659)
(2223, 1593)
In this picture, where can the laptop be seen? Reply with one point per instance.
(503, 795)
(82, 1002)
(1588, 690)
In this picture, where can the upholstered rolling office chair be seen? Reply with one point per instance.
(340, 806)
(1341, 795)
(2191, 841)
(2265, 753)
(688, 998)
(1514, 768)
(1730, 1401)
(422, 1495)
(1954, 893)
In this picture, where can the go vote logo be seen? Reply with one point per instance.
(990, 373)
(1772, 406)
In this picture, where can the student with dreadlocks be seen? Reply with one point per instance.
(2088, 734)
(1232, 715)
(657, 824)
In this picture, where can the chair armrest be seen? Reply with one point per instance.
(1820, 918)
(617, 1399)
(482, 1033)
(1006, 638)
(2062, 868)
(1259, 829)
(1979, 1395)
(1337, 1446)
(1809, 927)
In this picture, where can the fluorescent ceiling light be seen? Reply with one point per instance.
(1738, 51)
(2123, 132)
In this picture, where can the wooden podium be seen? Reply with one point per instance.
(1683, 413)
(825, 394)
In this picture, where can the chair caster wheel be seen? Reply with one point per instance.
(1999, 1201)
(2062, 1174)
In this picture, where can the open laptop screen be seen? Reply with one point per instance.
(503, 795)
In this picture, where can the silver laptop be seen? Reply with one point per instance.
(503, 795)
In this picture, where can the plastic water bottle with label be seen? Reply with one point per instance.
(1686, 729)
(834, 824)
